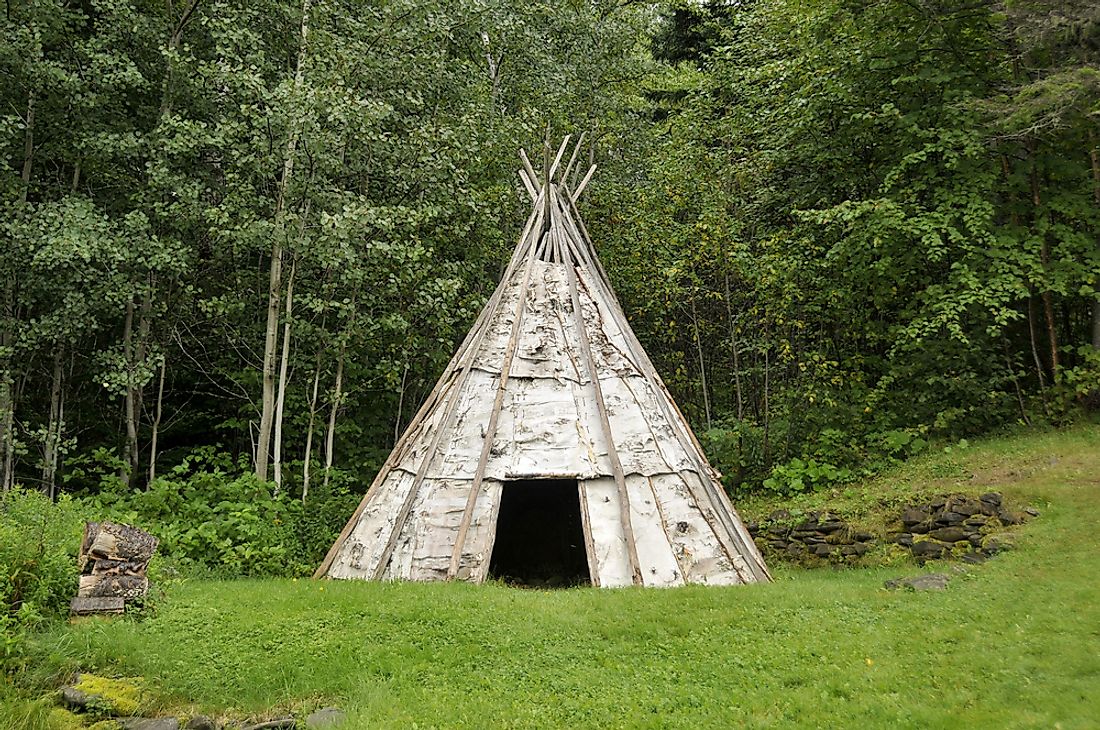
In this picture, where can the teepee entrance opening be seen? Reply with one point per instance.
(539, 535)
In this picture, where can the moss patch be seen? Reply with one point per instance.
(120, 697)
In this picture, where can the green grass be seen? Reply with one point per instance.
(1014, 643)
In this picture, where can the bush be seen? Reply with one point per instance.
(211, 514)
(39, 541)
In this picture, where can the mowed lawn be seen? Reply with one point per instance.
(1014, 643)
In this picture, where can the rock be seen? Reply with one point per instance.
(325, 717)
(938, 503)
(905, 539)
(283, 723)
(831, 526)
(928, 549)
(1032, 511)
(948, 534)
(926, 582)
(200, 722)
(967, 507)
(823, 551)
(779, 515)
(998, 543)
(74, 698)
(974, 557)
(149, 723)
(975, 540)
(861, 536)
(1009, 517)
(922, 528)
(779, 530)
(777, 544)
(976, 521)
(753, 527)
(911, 516)
(950, 518)
(993, 498)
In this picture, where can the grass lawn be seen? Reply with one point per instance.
(1013, 643)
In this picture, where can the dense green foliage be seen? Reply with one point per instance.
(1009, 644)
(38, 576)
(843, 229)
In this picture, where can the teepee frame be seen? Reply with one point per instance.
(554, 269)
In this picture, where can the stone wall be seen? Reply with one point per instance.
(949, 526)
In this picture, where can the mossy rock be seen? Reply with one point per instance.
(62, 719)
(121, 697)
(105, 725)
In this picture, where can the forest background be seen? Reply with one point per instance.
(240, 240)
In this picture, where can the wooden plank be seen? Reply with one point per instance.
(436, 395)
(491, 429)
(529, 185)
(584, 183)
(557, 159)
(572, 159)
(586, 526)
(87, 605)
(605, 424)
(443, 428)
(723, 509)
(527, 166)
(667, 528)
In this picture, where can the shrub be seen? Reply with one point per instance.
(39, 541)
(213, 515)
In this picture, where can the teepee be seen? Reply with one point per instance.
(549, 440)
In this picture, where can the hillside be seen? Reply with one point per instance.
(1011, 643)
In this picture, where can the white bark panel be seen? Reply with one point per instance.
(655, 559)
(541, 435)
(461, 445)
(359, 553)
(609, 345)
(739, 559)
(607, 533)
(698, 550)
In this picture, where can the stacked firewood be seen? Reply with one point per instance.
(113, 561)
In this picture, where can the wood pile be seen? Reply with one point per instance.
(113, 561)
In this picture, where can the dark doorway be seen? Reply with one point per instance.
(540, 538)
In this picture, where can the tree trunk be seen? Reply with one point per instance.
(274, 288)
(53, 428)
(400, 405)
(702, 362)
(284, 359)
(28, 147)
(1044, 256)
(131, 455)
(736, 353)
(309, 429)
(1094, 157)
(156, 421)
(330, 435)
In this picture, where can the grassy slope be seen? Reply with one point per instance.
(1013, 643)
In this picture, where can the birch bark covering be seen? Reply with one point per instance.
(558, 394)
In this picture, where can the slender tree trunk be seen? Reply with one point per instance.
(28, 147)
(53, 428)
(1015, 382)
(1094, 158)
(274, 289)
(1044, 255)
(767, 406)
(130, 460)
(400, 405)
(156, 420)
(280, 400)
(330, 435)
(309, 429)
(7, 413)
(736, 354)
(702, 362)
(1032, 336)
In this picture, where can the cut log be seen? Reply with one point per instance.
(117, 542)
(122, 586)
(86, 605)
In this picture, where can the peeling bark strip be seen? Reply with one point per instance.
(651, 509)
